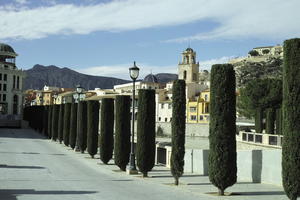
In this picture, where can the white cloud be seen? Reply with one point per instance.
(236, 18)
(21, 1)
(122, 70)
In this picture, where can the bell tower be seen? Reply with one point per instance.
(188, 68)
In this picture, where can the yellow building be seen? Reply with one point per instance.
(198, 108)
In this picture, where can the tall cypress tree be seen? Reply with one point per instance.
(259, 120)
(222, 144)
(73, 125)
(54, 127)
(270, 120)
(122, 132)
(82, 126)
(291, 120)
(178, 129)
(279, 121)
(50, 121)
(45, 120)
(67, 116)
(61, 122)
(92, 127)
(145, 151)
(106, 130)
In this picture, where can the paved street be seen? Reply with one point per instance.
(34, 168)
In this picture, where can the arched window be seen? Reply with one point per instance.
(15, 104)
(184, 75)
(187, 59)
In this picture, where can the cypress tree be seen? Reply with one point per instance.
(40, 118)
(270, 120)
(82, 126)
(145, 151)
(54, 128)
(222, 144)
(106, 130)
(259, 120)
(67, 116)
(278, 121)
(92, 127)
(291, 120)
(122, 132)
(61, 122)
(45, 120)
(73, 125)
(50, 121)
(178, 129)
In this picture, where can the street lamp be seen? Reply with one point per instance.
(134, 73)
(78, 96)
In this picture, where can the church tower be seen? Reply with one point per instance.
(188, 69)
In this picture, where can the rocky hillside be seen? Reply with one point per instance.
(39, 76)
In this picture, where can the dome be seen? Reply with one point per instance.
(6, 48)
(189, 50)
(150, 78)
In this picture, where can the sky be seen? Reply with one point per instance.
(104, 37)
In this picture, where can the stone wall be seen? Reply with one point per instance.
(198, 130)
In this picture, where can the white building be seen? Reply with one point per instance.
(11, 82)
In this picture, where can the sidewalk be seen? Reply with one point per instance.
(195, 184)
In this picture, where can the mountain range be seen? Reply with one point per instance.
(40, 75)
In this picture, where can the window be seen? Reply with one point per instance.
(166, 119)
(201, 117)
(194, 77)
(184, 75)
(169, 106)
(0, 86)
(5, 77)
(4, 97)
(206, 97)
(159, 119)
(0, 76)
(150, 87)
(193, 117)
(162, 106)
(0, 96)
(14, 82)
(18, 82)
(4, 87)
(193, 109)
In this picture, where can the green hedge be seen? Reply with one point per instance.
(259, 120)
(67, 117)
(73, 125)
(92, 127)
(106, 130)
(45, 120)
(278, 121)
(291, 119)
(178, 129)
(145, 150)
(222, 168)
(122, 132)
(50, 121)
(82, 126)
(270, 120)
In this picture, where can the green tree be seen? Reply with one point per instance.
(122, 132)
(67, 116)
(178, 129)
(106, 130)
(54, 128)
(145, 151)
(222, 144)
(270, 120)
(61, 123)
(92, 127)
(73, 125)
(253, 53)
(82, 126)
(50, 121)
(45, 120)
(291, 120)
(279, 121)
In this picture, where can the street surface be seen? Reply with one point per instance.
(34, 168)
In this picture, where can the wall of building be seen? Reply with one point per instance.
(198, 130)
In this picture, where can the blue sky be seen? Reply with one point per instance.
(105, 37)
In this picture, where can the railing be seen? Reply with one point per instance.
(269, 140)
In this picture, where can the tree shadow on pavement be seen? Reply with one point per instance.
(11, 194)
(21, 167)
(258, 193)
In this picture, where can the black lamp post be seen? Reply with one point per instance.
(78, 96)
(134, 73)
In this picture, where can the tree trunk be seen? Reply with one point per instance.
(176, 180)
(92, 156)
(145, 174)
(221, 192)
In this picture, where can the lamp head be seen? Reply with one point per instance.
(134, 72)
